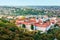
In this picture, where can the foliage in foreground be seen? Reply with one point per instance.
(9, 31)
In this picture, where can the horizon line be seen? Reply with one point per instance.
(30, 5)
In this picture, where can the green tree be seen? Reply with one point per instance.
(23, 26)
(32, 27)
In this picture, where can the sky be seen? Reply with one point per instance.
(29, 2)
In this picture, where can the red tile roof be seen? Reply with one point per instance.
(40, 20)
(38, 24)
(19, 22)
(32, 20)
(45, 25)
(26, 23)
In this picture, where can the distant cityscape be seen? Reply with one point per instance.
(30, 10)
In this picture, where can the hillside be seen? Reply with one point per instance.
(9, 31)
